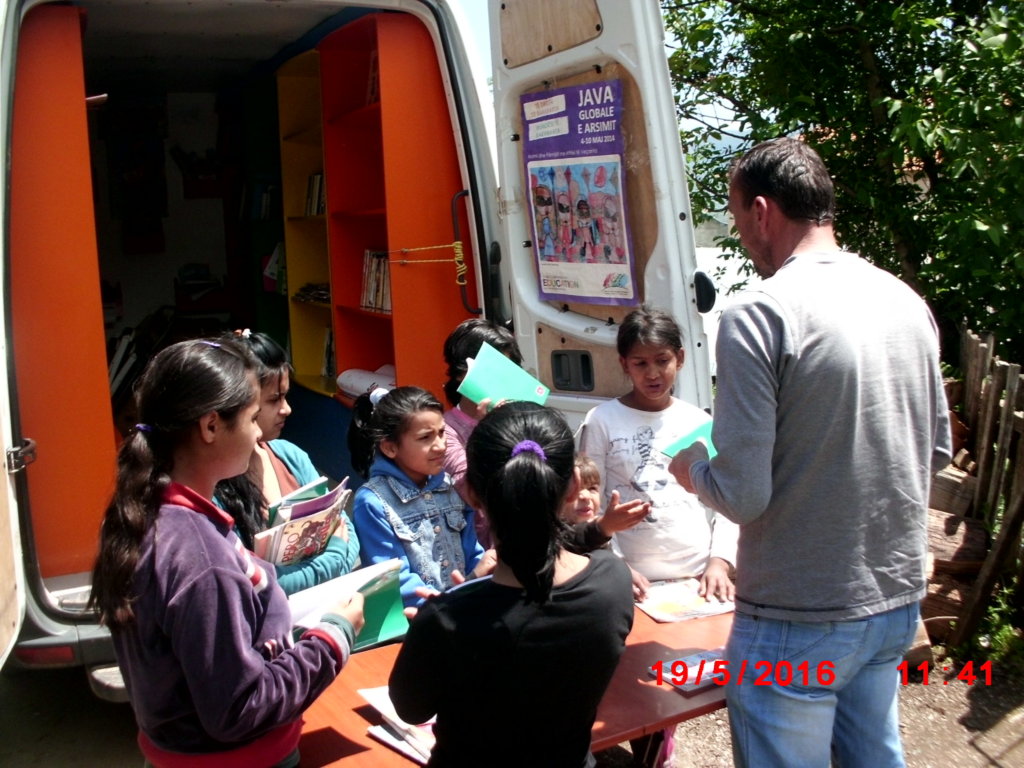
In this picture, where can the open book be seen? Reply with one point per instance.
(413, 741)
(382, 608)
(303, 527)
(677, 599)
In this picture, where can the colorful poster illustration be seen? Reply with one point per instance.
(573, 152)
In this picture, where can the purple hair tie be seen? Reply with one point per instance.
(143, 428)
(529, 445)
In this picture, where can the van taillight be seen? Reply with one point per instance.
(51, 656)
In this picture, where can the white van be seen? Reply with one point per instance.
(177, 167)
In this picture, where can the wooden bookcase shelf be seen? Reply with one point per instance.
(305, 236)
(382, 125)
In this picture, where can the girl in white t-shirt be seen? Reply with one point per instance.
(680, 537)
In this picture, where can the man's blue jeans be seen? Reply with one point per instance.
(840, 700)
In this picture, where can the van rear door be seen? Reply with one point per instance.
(593, 198)
(57, 382)
(12, 586)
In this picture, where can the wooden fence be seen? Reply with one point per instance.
(990, 402)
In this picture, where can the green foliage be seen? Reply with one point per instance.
(916, 108)
(999, 636)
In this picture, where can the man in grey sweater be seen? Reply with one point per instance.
(830, 420)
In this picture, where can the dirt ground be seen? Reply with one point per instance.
(945, 723)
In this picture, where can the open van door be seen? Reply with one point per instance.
(55, 393)
(12, 587)
(593, 198)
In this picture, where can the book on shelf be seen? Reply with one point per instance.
(302, 527)
(315, 195)
(383, 610)
(493, 376)
(414, 741)
(678, 599)
(257, 201)
(327, 365)
(376, 293)
(692, 673)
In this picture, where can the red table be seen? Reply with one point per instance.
(634, 704)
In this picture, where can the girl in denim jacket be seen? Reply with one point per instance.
(409, 508)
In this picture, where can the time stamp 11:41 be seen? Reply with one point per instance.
(784, 673)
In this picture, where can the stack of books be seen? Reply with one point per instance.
(376, 295)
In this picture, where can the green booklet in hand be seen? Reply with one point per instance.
(383, 610)
(494, 377)
(701, 433)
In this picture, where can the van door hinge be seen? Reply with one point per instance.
(20, 457)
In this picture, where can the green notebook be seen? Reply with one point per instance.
(701, 433)
(383, 610)
(493, 376)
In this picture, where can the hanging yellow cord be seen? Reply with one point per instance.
(458, 259)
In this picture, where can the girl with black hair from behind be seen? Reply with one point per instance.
(409, 509)
(461, 419)
(542, 637)
(202, 632)
(278, 467)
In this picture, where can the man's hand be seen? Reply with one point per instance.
(715, 581)
(619, 517)
(680, 465)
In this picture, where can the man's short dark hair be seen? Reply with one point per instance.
(790, 173)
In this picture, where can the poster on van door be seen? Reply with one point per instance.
(572, 146)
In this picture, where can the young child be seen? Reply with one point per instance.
(541, 638)
(202, 632)
(278, 467)
(465, 342)
(409, 508)
(680, 537)
(584, 506)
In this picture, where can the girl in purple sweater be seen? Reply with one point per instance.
(202, 632)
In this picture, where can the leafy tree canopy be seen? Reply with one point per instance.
(916, 108)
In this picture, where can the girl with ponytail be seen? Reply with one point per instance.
(202, 631)
(542, 637)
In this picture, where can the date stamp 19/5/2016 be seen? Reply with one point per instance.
(696, 672)
(709, 668)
